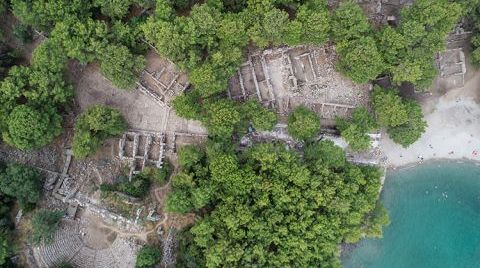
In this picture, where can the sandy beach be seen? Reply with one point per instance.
(453, 128)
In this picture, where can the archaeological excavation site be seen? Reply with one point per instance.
(214, 133)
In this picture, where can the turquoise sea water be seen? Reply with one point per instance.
(435, 220)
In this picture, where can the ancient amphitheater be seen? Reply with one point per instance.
(85, 245)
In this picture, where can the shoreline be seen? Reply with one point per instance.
(432, 161)
(452, 134)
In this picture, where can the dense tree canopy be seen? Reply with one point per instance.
(31, 99)
(95, 125)
(188, 105)
(210, 42)
(113, 8)
(224, 117)
(406, 52)
(83, 36)
(349, 23)
(359, 57)
(23, 183)
(303, 123)
(260, 118)
(43, 14)
(422, 32)
(268, 206)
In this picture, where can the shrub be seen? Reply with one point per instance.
(190, 155)
(148, 257)
(158, 175)
(138, 187)
(107, 187)
(44, 225)
(94, 126)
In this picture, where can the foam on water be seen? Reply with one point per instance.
(435, 220)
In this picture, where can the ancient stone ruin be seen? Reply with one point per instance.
(142, 148)
(74, 243)
(284, 78)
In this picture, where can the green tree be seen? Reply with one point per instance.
(44, 225)
(376, 220)
(138, 187)
(207, 81)
(325, 153)
(188, 105)
(95, 125)
(403, 119)
(113, 8)
(189, 255)
(389, 107)
(81, 40)
(349, 22)
(120, 66)
(355, 131)
(260, 117)
(158, 175)
(189, 156)
(476, 50)
(29, 128)
(409, 132)
(148, 257)
(22, 182)
(23, 33)
(221, 118)
(232, 31)
(422, 32)
(392, 45)
(270, 27)
(178, 202)
(311, 26)
(43, 14)
(128, 34)
(360, 60)
(303, 123)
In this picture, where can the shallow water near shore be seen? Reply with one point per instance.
(434, 211)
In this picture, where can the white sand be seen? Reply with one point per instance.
(453, 126)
